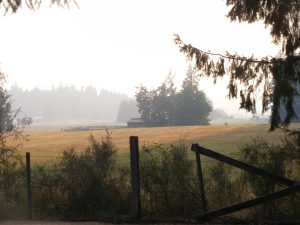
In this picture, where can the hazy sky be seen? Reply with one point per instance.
(118, 45)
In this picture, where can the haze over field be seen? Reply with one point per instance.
(65, 103)
(118, 45)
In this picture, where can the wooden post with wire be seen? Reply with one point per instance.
(29, 191)
(135, 178)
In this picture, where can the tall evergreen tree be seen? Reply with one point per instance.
(192, 107)
(144, 100)
(276, 76)
(162, 102)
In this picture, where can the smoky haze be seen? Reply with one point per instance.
(66, 103)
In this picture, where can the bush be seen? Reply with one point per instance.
(265, 156)
(12, 187)
(223, 186)
(83, 184)
(92, 184)
(279, 159)
(11, 167)
(167, 181)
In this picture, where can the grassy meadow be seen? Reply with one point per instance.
(46, 143)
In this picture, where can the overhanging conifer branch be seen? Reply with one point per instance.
(276, 76)
(265, 60)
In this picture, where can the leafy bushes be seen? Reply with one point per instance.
(165, 105)
(92, 183)
(223, 186)
(82, 184)
(167, 181)
(283, 160)
(12, 183)
(226, 185)
(11, 167)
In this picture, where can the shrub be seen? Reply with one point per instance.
(223, 186)
(265, 156)
(167, 181)
(83, 184)
(11, 167)
(278, 159)
(12, 187)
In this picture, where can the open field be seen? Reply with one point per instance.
(48, 143)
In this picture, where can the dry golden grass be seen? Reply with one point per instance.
(46, 144)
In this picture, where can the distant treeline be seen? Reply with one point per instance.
(67, 103)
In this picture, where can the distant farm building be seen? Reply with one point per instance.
(135, 122)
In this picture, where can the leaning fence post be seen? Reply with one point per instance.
(29, 194)
(200, 178)
(135, 178)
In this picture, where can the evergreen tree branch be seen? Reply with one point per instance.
(276, 77)
(14, 5)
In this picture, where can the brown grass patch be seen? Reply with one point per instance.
(48, 144)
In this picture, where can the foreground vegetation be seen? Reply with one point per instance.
(93, 184)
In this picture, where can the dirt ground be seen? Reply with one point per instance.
(24, 222)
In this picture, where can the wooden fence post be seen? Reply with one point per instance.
(200, 178)
(29, 193)
(135, 178)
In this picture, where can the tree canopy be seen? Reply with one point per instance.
(274, 78)
(167, 106)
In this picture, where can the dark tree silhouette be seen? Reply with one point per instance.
(191, 106)
(275, 77)
(167, 106)
(155, 106)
